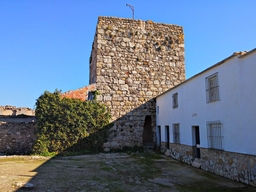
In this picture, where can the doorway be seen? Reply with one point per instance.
(148, 133)
(196, 141)
(158, 135)
(167, 135)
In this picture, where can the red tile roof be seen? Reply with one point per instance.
(81, 93)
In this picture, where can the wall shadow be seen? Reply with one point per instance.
(128, 131)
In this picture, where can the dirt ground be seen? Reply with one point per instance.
(142, 172)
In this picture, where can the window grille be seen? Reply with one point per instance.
(176, 133)
(175, 100)
(214, 135)
(212, 88)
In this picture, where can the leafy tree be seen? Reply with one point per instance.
(64, 122)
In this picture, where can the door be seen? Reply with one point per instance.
(196, 141)
(158, 132)
(148, 133)
(167, 135)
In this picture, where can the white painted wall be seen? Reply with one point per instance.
(236, 109)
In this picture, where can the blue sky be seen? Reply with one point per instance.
(46, 44)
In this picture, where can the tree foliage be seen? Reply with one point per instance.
(63, 123)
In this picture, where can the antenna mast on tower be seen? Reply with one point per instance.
(132, 8)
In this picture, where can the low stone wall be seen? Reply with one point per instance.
(235, 166)
(179, 152)
(9, 110)
(17, 137)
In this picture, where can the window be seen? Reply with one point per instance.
(214, 134)
(91, 95)
(157, 110)
(212, 88)
(175, 100)
(176, 133)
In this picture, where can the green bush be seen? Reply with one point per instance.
(63, 123)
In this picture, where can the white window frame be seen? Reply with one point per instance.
(176, 132)
(215, 135)
(212, 88)
(175, 100)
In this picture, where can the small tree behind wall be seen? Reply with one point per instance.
(64, 122)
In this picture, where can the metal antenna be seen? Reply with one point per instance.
(132, 8)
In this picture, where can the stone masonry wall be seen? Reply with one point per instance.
(183, 153)
(132, 62)
(235, 166)
(16, 137)
(17, 130)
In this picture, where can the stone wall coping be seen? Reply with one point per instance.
(14, 107)
(9, 110)
(136, 20)
(220, 151)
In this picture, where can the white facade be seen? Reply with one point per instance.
(235, 109)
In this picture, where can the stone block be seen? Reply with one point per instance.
(149, 93)
(106, 149)
(126, 40)
(167, 152)
(107, 98)
(196, 163)
(156, 82)
(121, 82)
(123, 87)
(106, 145)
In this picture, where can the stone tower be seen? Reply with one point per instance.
(132, 62)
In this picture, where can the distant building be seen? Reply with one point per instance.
(209, 120)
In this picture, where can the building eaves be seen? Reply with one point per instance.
(235, 54)
(247, 53)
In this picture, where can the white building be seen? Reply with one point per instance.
(210, 119)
